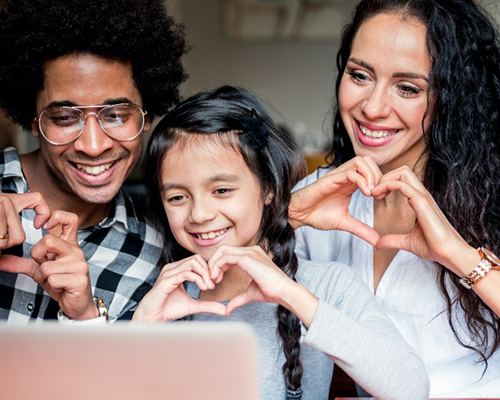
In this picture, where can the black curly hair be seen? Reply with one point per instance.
(463, 141)
(236, 118)
(136, 31)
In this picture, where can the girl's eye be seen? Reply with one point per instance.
(357, 76)
(175, 199)
(409, 90)
(223, 191)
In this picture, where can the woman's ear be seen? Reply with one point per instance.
(269, 198)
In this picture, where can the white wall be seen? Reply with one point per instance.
(296, 78)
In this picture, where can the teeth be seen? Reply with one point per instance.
(94, 170)
(210, 235)
(376, 134)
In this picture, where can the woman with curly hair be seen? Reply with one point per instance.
(220, 174)
(416, 130)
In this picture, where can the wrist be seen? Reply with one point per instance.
(301, 302)
(467, 261)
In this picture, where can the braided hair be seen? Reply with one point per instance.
(463, 144)
(236, 118)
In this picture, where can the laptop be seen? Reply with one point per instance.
(179, 360)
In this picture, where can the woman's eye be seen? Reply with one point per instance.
(357, 76)
(409, 90)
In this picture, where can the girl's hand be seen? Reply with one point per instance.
(433, 238)
(324, 203)
(168, 300)
(269, 283)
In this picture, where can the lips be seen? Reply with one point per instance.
(376, 134)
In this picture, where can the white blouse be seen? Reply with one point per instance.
(410, 294)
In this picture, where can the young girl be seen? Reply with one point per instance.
(220, 173)
(418, 95)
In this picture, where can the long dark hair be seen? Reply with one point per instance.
(236, 118)
(463, 141)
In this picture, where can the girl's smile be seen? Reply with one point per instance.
(210, 195)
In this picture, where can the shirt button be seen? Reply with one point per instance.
(30, 307)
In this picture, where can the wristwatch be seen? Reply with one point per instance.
(488, 262)
(101, 307)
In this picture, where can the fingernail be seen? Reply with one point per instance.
(371, 187)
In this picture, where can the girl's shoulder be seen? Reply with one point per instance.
(327, 279)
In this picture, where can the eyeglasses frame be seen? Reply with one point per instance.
(81, 108)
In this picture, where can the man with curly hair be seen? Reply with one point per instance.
(86, 78)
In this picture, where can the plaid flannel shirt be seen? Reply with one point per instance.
(122, 253)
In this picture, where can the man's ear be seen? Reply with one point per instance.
(147, 123)
(34, 127)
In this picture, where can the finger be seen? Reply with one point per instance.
(76, 268)
(237, 302)
(375, 169)
(404, 174)
(32, 200)
(218, 268)
(421, 202)
(393, 241)
(54, 245)
(68, 222)
(169, 283)
(360, 181)
(10, 224)
(360, 229)
(195, 264)
(212, 307)
(17, 265)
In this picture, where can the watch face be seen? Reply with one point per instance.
(492, 257)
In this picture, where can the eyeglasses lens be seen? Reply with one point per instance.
(62, 125)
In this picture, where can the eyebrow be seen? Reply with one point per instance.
(410, 75)
(67, 103)
(216, 178)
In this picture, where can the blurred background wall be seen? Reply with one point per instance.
(293, 69)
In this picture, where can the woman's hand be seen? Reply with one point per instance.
(269, 283)
(168, 300)
(324, 204)
(433, 238)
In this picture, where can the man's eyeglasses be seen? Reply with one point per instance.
(62, 125)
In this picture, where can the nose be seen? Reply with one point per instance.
(377, 103)
(93, 141)
(202, 211)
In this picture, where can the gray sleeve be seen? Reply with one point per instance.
(351, 327)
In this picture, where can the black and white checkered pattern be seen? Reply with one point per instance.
(122, 253)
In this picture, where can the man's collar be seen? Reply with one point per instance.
(123, 214)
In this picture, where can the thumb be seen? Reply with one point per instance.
(211, 307)
(360, 229)
(237, 302)
(392, 241)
